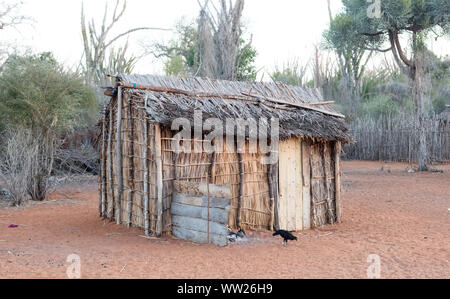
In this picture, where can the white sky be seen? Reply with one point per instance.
(282, 30)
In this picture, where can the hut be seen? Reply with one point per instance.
(147, 183)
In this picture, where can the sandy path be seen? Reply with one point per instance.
(402, 217)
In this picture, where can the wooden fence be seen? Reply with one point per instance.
(395, 139)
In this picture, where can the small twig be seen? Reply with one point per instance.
(153, 238)
(112, 234)
(330, 233)
(150, 238)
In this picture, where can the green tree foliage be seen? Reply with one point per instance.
(246, 68)
(440, 79)
(176, 66)
(291, 73)
(351, 50)
(418, 18)
(387, 85)
(393, 18)
(182, 58)
(39, 95)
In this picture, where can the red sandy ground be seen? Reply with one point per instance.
(402, 217)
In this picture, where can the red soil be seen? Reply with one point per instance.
(402, 217)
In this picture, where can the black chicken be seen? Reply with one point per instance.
(285, 235)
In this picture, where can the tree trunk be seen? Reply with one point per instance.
(39, 188)
(419, 100)
(42, 165)
(354, 95)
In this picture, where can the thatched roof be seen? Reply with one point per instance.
(299, 110)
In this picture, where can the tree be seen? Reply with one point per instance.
(291, 73)
(214, 47)
(39, 95)
(180, 52)
(246, 70)
(9, 15)
(176, 66)
(219, 39)
(18, 149)
(351, 51)
(441, 83)
(97, 42)
(385, 22)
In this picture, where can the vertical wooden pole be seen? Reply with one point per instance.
(271, 196)
(146, 174)
(119, 155)
(110, 160)
(110, 164)
(210, 181)
(208, 233)
(103, 170)
(298, 185)
(306, 164)
(337, 159)
(159, 179)
(276, 195)
(131, 183)
(327, 156)
(241, 191)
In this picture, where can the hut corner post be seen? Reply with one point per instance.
(110, 165)
(103, 170)
(146, 176)
(337, 160)
(119, 154)
(159, 179)
(131, 174)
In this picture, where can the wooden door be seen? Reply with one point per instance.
(290, 185)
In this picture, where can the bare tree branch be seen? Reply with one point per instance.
(131, 31)
(395, 54)
(400, 51)
(96, 44)
(9, 15)
(378, 49)
(220, 39)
